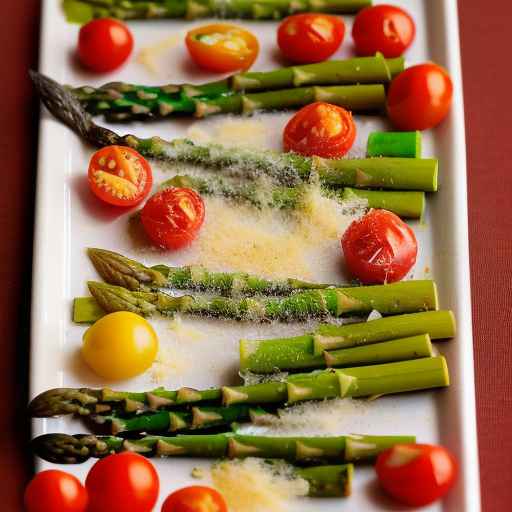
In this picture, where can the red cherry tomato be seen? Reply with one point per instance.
(120, 176)
(320, 129)
(420, 97)
(104, 44)
(55, 491)
(222, 48)
(125, 481)
(416, 474)
(305, 38)
(195, 498)
(379, 248)
(383, 28)
(172, 218)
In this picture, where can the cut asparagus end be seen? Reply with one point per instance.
(119, 270)
(86, 310)
(61, 401)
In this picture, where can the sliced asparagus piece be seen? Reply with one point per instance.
(119, 270)
(399, 144)
(406, 204)
(266, 356)
(288, 169)
(406, 296)
(397, 377)
(67, 449)
(82, 11)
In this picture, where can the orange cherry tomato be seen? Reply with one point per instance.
(172, 218)
(222, 48)
(379, 248)
(306, 38)
(320, 129)
(125, 481)
(416, 474)
(120, 176)
(420, 97)
(195, 498)
(55, 491)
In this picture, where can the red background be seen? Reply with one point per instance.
(485, 40)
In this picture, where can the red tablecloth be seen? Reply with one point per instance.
(487, 73)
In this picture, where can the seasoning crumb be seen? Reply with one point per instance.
(197, 473)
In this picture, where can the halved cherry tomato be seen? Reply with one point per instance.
(383, 28)
(221, 47)
(104, 44)
(379, 248)
(120, 176)
(125, 481)
(416, 474)
(305, 38)
(172, 218)
(55, 491)
(195, 498)
(320, 129)
(420, 97)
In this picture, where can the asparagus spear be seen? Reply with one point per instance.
(400, 144)
(82, 11)
(261, 357)
(119, 270)
(122, 101)
(285, 168)
(397, 377)
(402, 297)
(406, 204)
(67, 449)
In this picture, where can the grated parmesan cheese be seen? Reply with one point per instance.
(183, 331)
(169, 362)
(149, 56)
(253, 485)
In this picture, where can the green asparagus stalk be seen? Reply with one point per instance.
(119, 270)
(397, 377)
(267, 357)
(287, 169)
(402, 297)
(82, 11)
(406, 204)
(67, 449)
(399, 144)
(327, 481)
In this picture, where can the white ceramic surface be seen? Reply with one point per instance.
(68, 219)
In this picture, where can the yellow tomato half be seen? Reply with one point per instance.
(120, 345)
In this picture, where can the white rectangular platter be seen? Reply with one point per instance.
(69, 219)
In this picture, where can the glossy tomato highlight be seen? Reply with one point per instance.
(307, 38)
(379, 248)
(196, 498)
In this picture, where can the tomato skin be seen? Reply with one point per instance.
(172, 217)
(120, 345)
(104, 44)
(131, 176)
(125, 481)
(420, 97)
(308, 38)
(379, 248)
(195, 498)
(420, 481)
(222, 48)
(320, 129)
(383, 28)
(55, 491)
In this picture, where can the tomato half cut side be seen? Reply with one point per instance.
(119, 176)
(307, 38)
(387, 29)
(320, 129)
(104, 44)
(416, 474)
(379, 248)
(222, 47)
(172, 218)
(196, 498)
(420, 97)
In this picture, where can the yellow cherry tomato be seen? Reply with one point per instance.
(120, 345)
